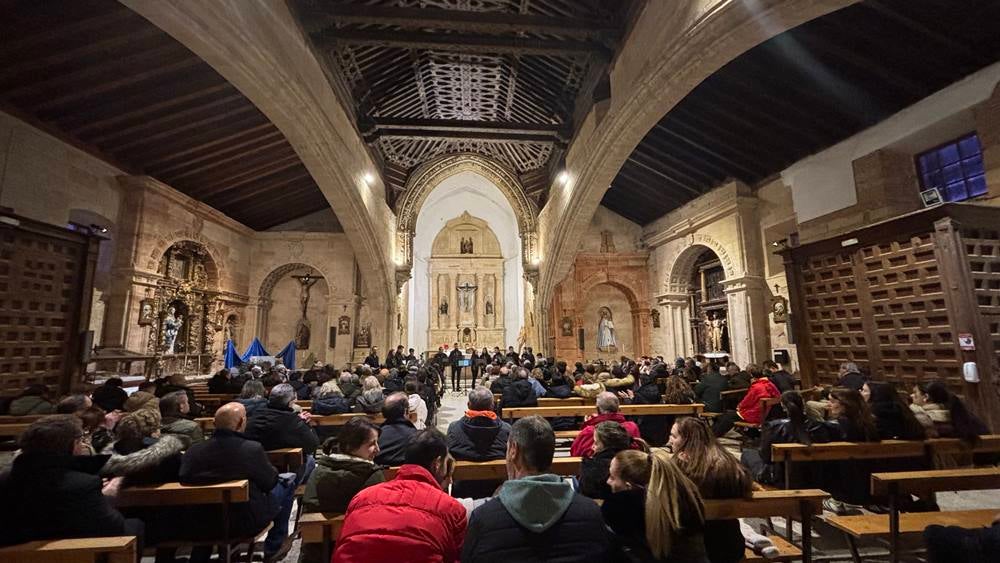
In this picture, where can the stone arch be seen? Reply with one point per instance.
(599, 278)
(214, 269)
(680, 269)
(263, 291)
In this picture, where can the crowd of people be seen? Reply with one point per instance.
(652, 473)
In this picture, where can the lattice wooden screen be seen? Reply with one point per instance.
(982, 247)
(44, 277)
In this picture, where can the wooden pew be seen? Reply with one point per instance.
(321, 527)
(285, 459)
(842, 451)
(13, 430)
(497, 469)
(800, 504)
(627, 410)
(176, 494)
(900, 485)
(115, 549)
(208, 424)
(29, 418)
(988, 443)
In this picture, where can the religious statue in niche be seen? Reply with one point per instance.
(566, 324)
(231, 326)
(607, 241)
(489, 306)
(655, 314)
(779, 307)
(172, 324)
(303, 327)
(443, 307)
(715, 325)
(607, 340)
(363, 339)
(344, 325)
(467, 296)
(465, 246)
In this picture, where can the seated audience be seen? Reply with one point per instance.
(750, 409)
(416, 403)
(718, 475)
(795, 428)
(537, 380)
(371, 399)
(851, 376)
(590, 385)
(951, 417)
(277, 425)
(396, 430)
(520, 392)
(349, 386)
(33, 400)
(329, 399)
(654, 511)
(652, 428)
(929, 414)
(228, 455)
(96, 428)
(709, 388)
(139, 453)
(110, 396)
(946, 544)
(222, 383)
(178, 382)
(174, 409)
(779, 377)
(478, 436)
(51, 491)
(535, 516)
(893, 418)
(253, 397)
(607, 411)
(851, 421)
(409, 518)
(73, 404)
(738, 379)
(609, 439)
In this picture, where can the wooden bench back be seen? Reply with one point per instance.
(627, 410)
(115, 549)
(802, 503)
(834, 451)
(208, 424)
(13, 429)
(317, 527)
(922, 482)
(285, 459)
(989, 443)
(176, 494)
(29, 418)
(497, 469)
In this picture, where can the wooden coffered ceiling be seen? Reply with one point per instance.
(502, 78)
(106, 80)
(801, 92)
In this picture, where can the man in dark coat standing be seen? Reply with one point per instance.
(52, 491)
(454, 359)
(396, 430)
(372, 359)
(227, 456)
(535, 516)
(478, 436)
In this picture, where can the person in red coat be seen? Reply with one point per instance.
(749, 408)
(607, 410)
(409, 518)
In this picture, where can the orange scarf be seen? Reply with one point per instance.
(488, 414)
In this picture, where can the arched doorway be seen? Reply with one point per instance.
(293, 304)
(709, 307)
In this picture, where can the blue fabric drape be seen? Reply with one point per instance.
(231, 356)
(255, 349)
(287, 355)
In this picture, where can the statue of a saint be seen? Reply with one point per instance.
(443, 307)
(489, 306)
(714, 326)
(171, 327)
(607, 341)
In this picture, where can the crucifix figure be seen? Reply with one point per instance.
(302, 330)
(466, 296)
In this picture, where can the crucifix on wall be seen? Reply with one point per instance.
(302, 329)
(467, 296)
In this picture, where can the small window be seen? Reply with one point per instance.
(955, 169)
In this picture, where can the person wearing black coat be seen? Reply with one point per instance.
(372, 359)
(501, 383)
(851, 376)
(779, 377)
(330, 404)
(519, 393)
(454, 359)
(478, 436)
(511, 355)
(51, 492)
(708, 390)
(654, 429)
(794, 428)
(110, 396)
(230, 455)
(396, 430)
(278, 426)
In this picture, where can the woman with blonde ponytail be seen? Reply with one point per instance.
(654, 510)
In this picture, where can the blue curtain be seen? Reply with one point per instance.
(287, 355)
(231, 356)
(255, 349)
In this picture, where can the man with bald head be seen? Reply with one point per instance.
(396, 430)
(229, 455)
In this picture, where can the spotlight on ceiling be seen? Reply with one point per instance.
(563, 177)
(369, 178)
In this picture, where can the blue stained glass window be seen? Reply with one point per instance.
(955, 169)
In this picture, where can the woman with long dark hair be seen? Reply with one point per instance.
(794, 428)
(893, 418)
(960, 422)
(609, 439)
(851, 421)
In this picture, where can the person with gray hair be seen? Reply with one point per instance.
(535, 516)
(277, 425)
(478, 436)
(607, 411)
(519, 393)
(396, 430)
(349, 387)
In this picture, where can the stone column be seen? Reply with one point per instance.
(677, 321)
(749, 333)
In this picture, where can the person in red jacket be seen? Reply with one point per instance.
(607, 410)
(409, 518)
(749, 409)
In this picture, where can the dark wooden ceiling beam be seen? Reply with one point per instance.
(470, 22)
(210, 158)
(180, 115)
(248, 167)
(192, 124)
(278, 195)
(252, 175)
(170, 153)
(288, 177)
(423, 134)
(275, 145)
(652, 184)
(397, 127)
(472, 44)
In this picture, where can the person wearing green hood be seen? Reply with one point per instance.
(536, 516)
